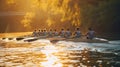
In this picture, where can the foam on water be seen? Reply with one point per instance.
(41, 41)
(68, 45)
(112, 45)
(43, 52)
(115, 42)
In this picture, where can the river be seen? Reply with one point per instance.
(42, 53)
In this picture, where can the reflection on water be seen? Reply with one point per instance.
(42, 53)
(52, 60)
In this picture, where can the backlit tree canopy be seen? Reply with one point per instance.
(27, 15)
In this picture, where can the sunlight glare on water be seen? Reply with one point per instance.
(43, 53)
(52, 60)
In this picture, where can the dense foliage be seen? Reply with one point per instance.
(102, 15)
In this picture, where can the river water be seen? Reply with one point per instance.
(42, 53)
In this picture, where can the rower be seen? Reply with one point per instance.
(62, 33)
(45, 33)
(50, 33)
(91, 33)
(39, 32)
(34, 34)
(68, 33)
(42, 32)
(55, 33)
(77, 33)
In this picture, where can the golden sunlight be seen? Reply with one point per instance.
(27, 19)
(10, 1)
(47, 13)
(49, 22)
(52, 60)
(53, 8)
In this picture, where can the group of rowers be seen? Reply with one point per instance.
(64, 33)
